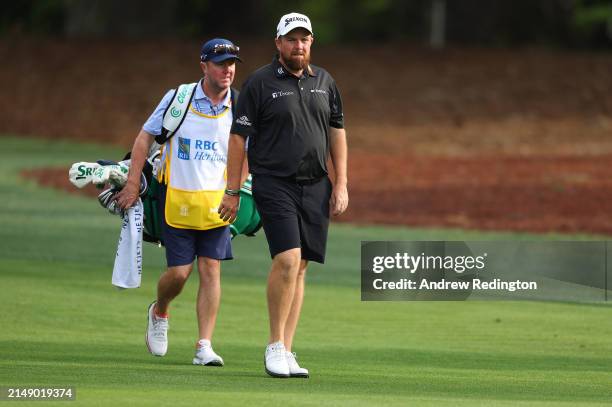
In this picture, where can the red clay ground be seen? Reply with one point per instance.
(523, 194)
(479, 139)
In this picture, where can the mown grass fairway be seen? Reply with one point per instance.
(63, 324)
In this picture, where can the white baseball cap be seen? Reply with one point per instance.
(292, 21)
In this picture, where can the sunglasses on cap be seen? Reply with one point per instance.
(220, 49)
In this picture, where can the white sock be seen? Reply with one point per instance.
(276, 344)
(203, 342)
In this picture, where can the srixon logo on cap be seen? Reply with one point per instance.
(291, 19)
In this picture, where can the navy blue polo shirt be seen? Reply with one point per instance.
(287, 120)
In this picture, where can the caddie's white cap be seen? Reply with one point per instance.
(291, 21)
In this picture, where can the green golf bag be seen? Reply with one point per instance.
(247, 220)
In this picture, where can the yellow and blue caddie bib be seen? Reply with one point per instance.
(194, 170)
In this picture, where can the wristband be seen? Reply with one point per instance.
(232, 192)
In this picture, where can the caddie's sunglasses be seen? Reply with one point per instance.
(222, 49)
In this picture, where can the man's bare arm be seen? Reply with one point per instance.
(130, 192)
(339, 156)
(235, 163)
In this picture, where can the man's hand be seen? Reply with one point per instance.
(127, 197)
(339, 199)
(228, 209)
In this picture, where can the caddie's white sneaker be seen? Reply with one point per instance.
(157, 333)
(294, 369)
(275, 360)
(205, 355)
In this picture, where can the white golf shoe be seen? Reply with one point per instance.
(275, 360)
(157, 333)
(294, 369)
(205, 355)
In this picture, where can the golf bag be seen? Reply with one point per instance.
(106, 172)
(247, 222)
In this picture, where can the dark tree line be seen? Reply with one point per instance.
(578, 23)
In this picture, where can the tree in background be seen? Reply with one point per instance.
(592, 21)
(578, 23)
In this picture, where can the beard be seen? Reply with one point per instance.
(297, 62)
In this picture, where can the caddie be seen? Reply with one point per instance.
(192, 178)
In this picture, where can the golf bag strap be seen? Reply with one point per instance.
(175, 113)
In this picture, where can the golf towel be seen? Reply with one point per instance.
(128, 262)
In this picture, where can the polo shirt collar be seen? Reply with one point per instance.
(199, 95)
(281, 72)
